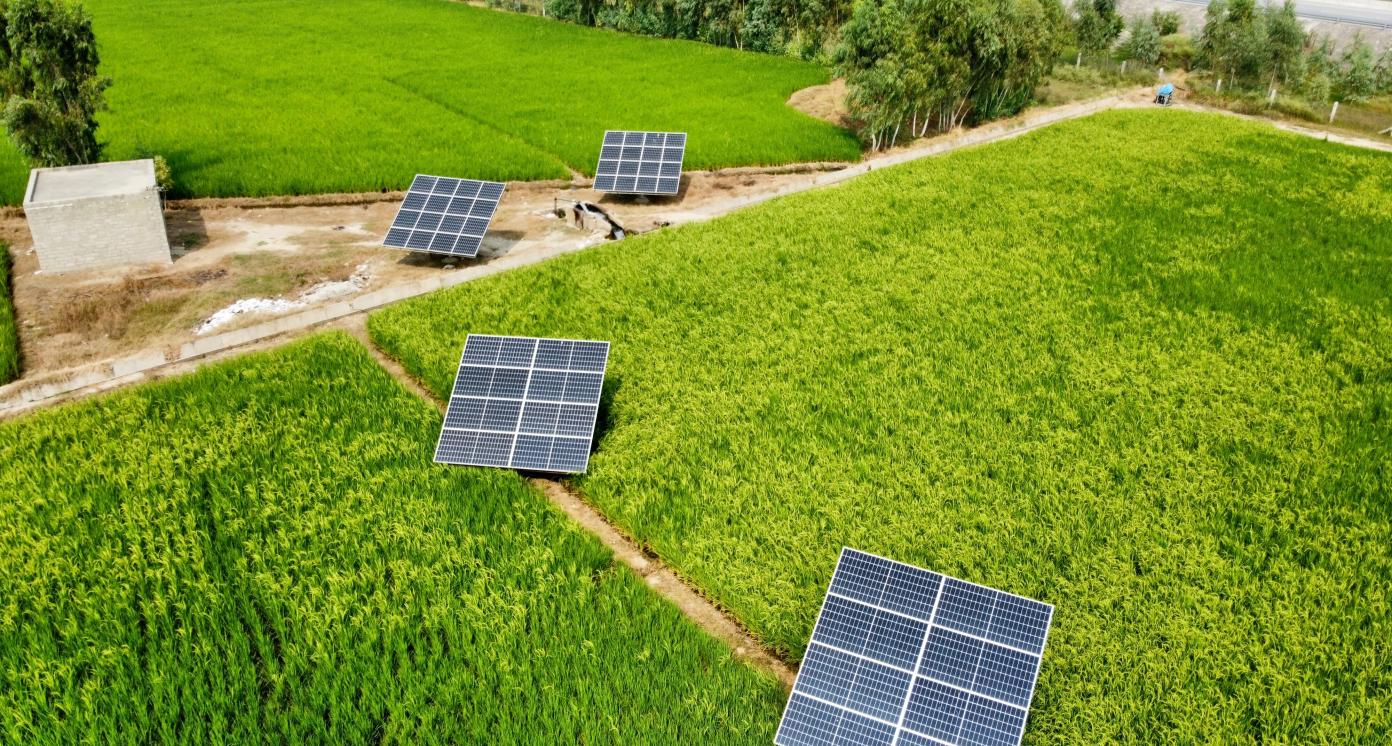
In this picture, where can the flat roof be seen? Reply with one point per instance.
(91, 180)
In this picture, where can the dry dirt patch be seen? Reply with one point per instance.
(825, 102)
(252, 259)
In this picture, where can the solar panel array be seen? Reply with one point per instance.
(445, 216)
(524, 403)
(640, 162)
(906, 656)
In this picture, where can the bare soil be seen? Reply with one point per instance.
(825, 102)
(227, 250)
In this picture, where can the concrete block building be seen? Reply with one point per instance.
(96, 216)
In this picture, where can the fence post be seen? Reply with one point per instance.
(1271, 97)
(1332, 111)
(1123, 66)
(1219, 87)
(1079, 63)
(1161, 74)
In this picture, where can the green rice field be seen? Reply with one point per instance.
(270, 97)
(262, 552)
(1138, 366)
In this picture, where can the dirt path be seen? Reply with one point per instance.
(660, 578)
(316, 260)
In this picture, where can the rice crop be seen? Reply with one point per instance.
(262, 552)
(1138, 366)
(274, 97)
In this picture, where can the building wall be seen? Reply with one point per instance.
(99, 232)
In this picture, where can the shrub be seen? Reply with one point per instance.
(1165, 21)
(9, 330)
(1176, 52)
(1143, 45)
(48, 76)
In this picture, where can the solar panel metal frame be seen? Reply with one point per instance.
(444, 215)
(527, 403)
(640, 162)
(883, 702)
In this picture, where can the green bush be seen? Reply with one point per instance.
(1176, 52)
(1167, 22)
(9, 329)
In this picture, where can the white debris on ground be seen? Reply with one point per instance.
(274, 306)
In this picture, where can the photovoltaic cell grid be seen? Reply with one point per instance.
(445, 216)
(904, 656)
(640, 162)
(524, 403)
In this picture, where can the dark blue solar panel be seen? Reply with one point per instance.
(966, 607)
(988, 723)
(878, 691)
(951, 658)
(935, 710)
(844, 624)
(638, 158)
(895, 640)
(524, 402)
(445, 216)
(902, 651)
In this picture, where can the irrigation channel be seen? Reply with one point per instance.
(164, 361)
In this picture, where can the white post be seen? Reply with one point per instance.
(1271, 98)
(1162, 73)
(1333, 111)
(1079, 63)
(1123, 66)
(1219, 87)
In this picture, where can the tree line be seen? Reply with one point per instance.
(1267, 48)
(49, 81)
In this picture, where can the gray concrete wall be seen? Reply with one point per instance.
(99, 232)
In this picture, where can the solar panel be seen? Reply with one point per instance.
(640, 162)
(524, 403)
(445, 216)
(905, 656)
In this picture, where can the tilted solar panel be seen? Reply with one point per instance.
(640, 162)
(901, 655)
(441, 215)
(524, 403)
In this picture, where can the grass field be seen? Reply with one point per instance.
(258, 98)
(263, 552)
(9, 331)
(1138, 366)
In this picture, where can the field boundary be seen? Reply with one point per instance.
(659, 578)
(57, 386)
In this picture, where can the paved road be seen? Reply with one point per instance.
(1373, 13)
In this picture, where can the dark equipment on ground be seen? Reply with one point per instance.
(1165, 95)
